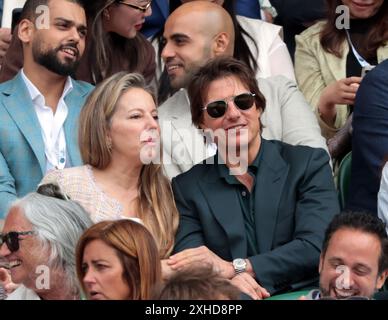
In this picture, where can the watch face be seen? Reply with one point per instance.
(239, 264)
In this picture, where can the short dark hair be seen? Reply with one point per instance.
(216, 68)
(29, 8)
(364, 222)
(200, 283)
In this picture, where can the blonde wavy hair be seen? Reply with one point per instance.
(154, 189)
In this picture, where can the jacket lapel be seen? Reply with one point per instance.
(18, 103)
(382, 53)
(190, 138)
(225, 207)
(74, 101)
(337, 66)
(271, 178)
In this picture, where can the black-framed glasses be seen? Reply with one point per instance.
(134, 6)
(217, 109)
(11, 239)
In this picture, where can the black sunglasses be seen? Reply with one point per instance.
(11, 239)
(217, 109)
(140, 8)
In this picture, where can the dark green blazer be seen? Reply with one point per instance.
(295, 201)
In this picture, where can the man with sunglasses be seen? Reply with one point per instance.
(38, 243)
(11, 240)
(256, 211)
(194, 33)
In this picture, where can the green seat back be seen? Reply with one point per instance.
(344, 172)
(290, 295)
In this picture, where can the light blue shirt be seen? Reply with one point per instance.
(1, 9)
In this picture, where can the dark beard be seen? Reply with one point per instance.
(50, 61)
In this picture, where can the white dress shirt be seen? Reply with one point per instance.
(51, 124)
(23, 293)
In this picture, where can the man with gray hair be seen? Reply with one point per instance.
(38, 242)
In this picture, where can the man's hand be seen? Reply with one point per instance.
(201, 256)
(167, 271)
(6, 282)
(248, 285)
(5, 40)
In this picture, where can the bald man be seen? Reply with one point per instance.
(212, 34)
(194, 33)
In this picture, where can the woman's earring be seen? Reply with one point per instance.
(106, 14)
(109, 144)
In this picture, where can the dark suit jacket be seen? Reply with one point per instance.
(155, 22)
(295, 201)
(248, 8)
(369, 140)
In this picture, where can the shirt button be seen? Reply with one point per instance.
(62, 160)
(244, 193)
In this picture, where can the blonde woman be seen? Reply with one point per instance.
(122, 177)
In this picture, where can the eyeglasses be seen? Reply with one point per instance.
(217, 109)
(140, 8)
(11, 239)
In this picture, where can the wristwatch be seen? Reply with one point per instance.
(239, 265)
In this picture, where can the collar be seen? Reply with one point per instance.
(253, 168)
(36, 95)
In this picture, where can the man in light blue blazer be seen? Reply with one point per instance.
(39, 108)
